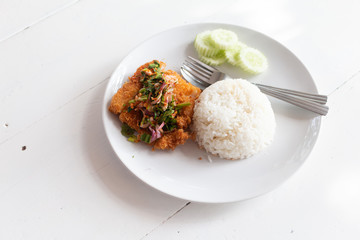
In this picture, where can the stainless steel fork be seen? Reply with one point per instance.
(194, 70)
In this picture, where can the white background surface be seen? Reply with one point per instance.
(55, 60)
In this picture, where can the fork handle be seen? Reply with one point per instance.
(302, 103)
(311, 96)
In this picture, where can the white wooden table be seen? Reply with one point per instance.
(59, 178)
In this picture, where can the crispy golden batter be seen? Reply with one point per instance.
(172, 139)
(123, 96)
(183, 92)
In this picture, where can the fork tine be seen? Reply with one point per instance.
(200, 70)
(195, 65)
(192, 76)
(196, 75)
(203, 65)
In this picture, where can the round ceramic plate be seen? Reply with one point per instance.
(181, 173)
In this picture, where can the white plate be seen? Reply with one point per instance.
(180, 173)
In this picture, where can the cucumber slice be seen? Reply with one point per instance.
(223, 39)
(216, 60)
(220, 45)
(252, 60)
(203, 45)
(232, 54)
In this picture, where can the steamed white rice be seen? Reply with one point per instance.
(233, 119)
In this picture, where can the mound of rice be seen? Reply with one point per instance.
(233, 119)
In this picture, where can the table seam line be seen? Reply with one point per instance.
(39, 20)
(345, 82)
(164, 221)
(52, 112)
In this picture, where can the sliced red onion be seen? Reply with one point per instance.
(167, 100)
(162, 87)
(147, 112)
(159, 128)
(158, 99)
(153, 135)
(144, 125)
(158, 134)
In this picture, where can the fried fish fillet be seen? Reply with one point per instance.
(183, 92)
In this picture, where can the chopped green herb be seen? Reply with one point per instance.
(181, 105)
(156, 64)
(145, 137)
(126, 130)
(143, 98)
(132, 138)
(158, 76)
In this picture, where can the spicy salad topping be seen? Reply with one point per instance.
(156, 101)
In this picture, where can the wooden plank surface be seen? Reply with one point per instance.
(59, 178)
